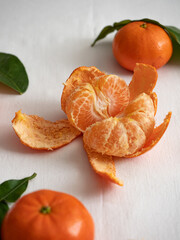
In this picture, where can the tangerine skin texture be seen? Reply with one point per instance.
(68, 218)
(135, 44)
(38, 133)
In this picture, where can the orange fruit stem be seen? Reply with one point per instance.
(45, 210)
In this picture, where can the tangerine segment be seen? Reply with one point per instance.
(103, 165)
(154, 138)
(80, 108)
(37, 133)
(78, 76)
(125, 135)
(141, 109)
(114, 137)
(116, 91)
(144, 80)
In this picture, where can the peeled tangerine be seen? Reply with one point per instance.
(116, 119)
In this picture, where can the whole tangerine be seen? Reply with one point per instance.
(48, 215)
(142, 42)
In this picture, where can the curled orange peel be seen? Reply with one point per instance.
(38, 133)
(103, 165)
(143, 81)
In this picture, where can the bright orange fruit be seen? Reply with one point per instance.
(141, 42)
(48, 215)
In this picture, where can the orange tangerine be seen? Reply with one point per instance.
(142, 42)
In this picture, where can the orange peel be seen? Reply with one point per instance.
(143, 81)
(103, 165)
(38, 133)
(154, 98)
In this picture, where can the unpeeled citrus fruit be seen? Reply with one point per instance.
(141, 42)
(48, 215)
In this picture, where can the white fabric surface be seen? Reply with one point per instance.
(52, 38)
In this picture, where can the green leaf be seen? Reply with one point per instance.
(3, 210)
(118, 25)
(109, 29)
(11, 190)
(13, 73)
(105, 31)
(173, 32)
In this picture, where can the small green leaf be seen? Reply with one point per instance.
(11, 190)
(13, 73)
(3, 210)
(109, 29)
(118, 25)
(173, 32)
(105, 31)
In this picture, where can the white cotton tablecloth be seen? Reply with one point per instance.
(52, 38)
